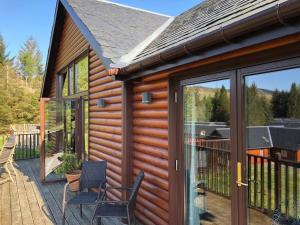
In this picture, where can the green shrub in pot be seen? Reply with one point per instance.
(70, 167)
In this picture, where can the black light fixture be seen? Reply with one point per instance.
(146, 97)
(101, 103)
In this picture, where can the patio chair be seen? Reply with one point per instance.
(93, 176)
(6, 159)
(119, 209)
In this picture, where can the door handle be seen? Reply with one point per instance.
(239, 175)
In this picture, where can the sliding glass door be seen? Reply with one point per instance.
(239, 146)
(207, 150)
(271, 128)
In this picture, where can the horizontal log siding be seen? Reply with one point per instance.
(71, 45)
(150, 151)
(105, 124)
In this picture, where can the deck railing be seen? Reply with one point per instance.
(27, 145)
(274, 184)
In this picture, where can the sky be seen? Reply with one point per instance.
(22, 19)
(281, 80)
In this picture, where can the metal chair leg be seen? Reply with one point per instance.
(99, 221)
(129, 220)
(134, 220)
(63, 216)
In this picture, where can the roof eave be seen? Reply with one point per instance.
(226, 34)
(49, 50)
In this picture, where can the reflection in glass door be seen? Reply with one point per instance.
(60, 130)
(207, 153)
(272, 147)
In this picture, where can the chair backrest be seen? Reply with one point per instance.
(93, 174)
(134, 191)
(7, 152)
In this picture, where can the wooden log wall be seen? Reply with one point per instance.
(71, 45)
(105, 124)
(150, 150)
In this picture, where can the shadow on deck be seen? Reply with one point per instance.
(28, 201)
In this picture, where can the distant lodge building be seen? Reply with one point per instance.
(280, 139)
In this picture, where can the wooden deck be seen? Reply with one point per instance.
(27, 201)
(218, 212)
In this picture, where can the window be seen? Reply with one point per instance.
(76, 78)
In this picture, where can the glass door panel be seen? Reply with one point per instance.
(60, 132)
(207, 152)
(272, 140)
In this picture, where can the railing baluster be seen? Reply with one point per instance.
(269, 187)
(30, 146)
(286, 202)
(23, 147)
(295, 202)
(255, 181)
(262, 182)
(249, 178)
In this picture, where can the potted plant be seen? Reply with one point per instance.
(70, 167)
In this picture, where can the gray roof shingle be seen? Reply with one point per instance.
(117, 28)
(206, 17)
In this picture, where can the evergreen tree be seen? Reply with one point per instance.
(19, 102)
(3, 55)
(293, 101)
(279, 103)
(220, 106)
(30, 60)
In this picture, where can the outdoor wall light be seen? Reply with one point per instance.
(146, 97)
(101, 103)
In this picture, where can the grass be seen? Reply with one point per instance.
(2, 140)
(289, 198)
(26, 153)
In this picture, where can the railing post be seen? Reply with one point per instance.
(277, 171)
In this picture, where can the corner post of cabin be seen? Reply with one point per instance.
(127, 135)
(172, 133)
(43, 102)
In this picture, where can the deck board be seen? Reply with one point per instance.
(28, 201)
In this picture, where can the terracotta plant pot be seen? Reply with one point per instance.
(74, 176)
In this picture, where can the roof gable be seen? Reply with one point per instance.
(117, 28)
(111, 29)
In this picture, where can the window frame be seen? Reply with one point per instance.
(65, 73)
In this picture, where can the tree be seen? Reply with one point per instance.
(279, 103)
(293, 101)
(3, 55)
(220, 106)
(30, 60)
(258, 109)
(19, 102)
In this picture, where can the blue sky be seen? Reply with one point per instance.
(21, 19)
(281, 80)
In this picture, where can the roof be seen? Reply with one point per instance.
(204, 18)
(117, 28)
(113, 30)
(258, 137)
(285, 138)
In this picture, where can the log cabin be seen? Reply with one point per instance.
(132, 87)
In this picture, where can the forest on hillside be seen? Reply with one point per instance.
(20, 84)
(213, 105)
